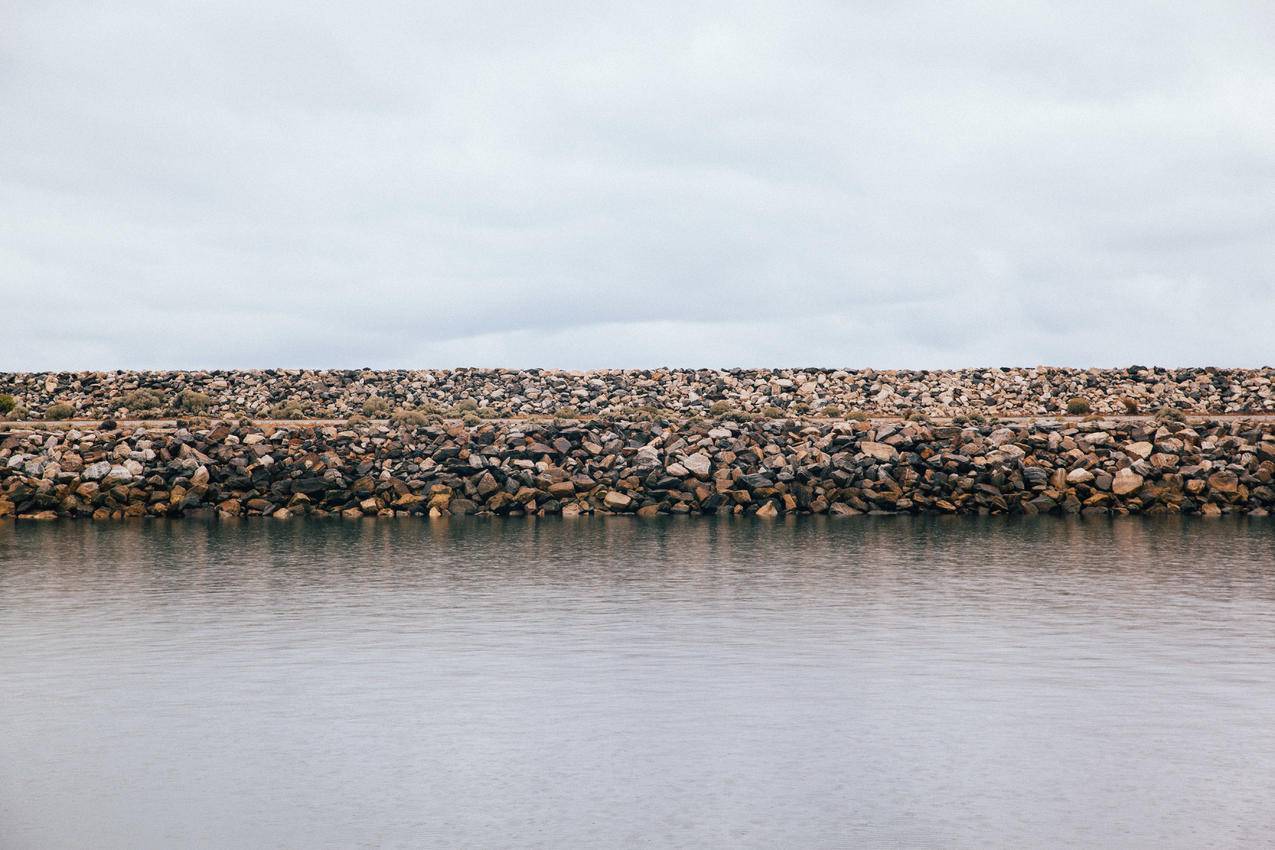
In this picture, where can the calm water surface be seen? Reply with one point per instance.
(892, 682)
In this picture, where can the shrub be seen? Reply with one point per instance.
(59, 410)
(833, 410)
(407, 418)
(287, 409)
(471, 419)
(567, 413)
(139, 400)
(1130, 406)
(356, 419)
(1170, 414)
(488, 413)
(918, 416)
(466, 404)
(856, 416)
(771, 412)
(7, 403)
(376, 407)
(192, 401)
(721, 407)
(19, 411)
(1077, 406)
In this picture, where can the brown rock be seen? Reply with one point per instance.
(1224, 482)
(1126, 481)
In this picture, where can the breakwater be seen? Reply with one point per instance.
(759, 467)
(496, 393)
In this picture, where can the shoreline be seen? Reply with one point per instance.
(1212, 466)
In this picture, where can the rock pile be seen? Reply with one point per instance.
(619, 466)
(507, 393)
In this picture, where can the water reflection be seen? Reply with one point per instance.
(547, 682)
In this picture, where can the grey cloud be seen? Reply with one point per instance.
(597, 184)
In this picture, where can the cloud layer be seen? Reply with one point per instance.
(596, 184)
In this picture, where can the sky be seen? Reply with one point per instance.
(594, 184)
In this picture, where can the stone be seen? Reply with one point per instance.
(1080, 475)
(698, 464)
(878, 451)
(1126, 481)
(617, 501)
(96, 471)
(119, 473)
(1141, 450)
(1224, 482)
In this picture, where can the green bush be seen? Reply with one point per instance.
(141, 400)
(59, 410)
(1077, 406)
(376, 407)
(407, 418)
(288, 409)
(7, 403)
(192, 401)
(471, 419)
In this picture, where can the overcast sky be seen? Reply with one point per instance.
(594, 184)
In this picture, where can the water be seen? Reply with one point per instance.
(892, 682)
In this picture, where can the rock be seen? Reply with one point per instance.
(1126, 481)
(757, 481)
(649, 465)
(767, 511)
(698, 464)
(96, 471)
(1141, 450)
(617, 501)
(562, 489)
(1079, 475)
(878, 451)
(1224, 482)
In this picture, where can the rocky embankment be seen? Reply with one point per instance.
(764, 468)
(510, 393)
